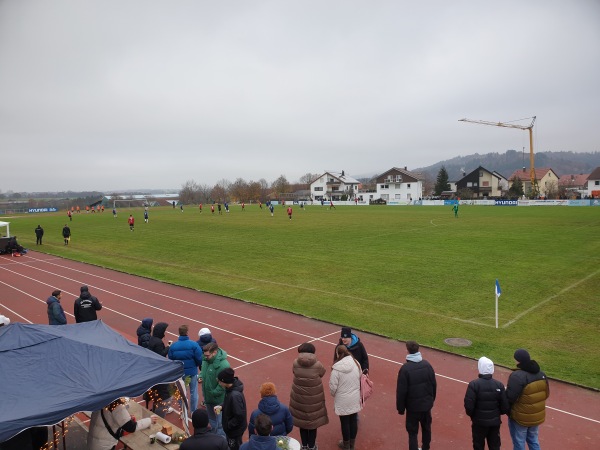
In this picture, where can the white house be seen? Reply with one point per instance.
(334, 185)
(593, 183)
(399, 185)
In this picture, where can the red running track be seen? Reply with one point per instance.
(262, 342)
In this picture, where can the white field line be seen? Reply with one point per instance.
(280, 350)
(552, 297)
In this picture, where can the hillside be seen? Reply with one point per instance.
(505, 164)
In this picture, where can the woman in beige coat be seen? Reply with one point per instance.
(344, 385)
(307, 400)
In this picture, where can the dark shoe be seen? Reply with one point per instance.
(352, 441)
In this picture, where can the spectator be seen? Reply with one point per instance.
(356, 348)
(144, 332)
(527, 392)
(159, 394)
(204, 337)
(264, 438)
(56, 313)
(39, 234)
(66, 233)
(307, 400)
(86, 306)
(344, 385)
(234, 408)
(189, 352)
(108, 425)
(203, 439)
(415, 394)
(214, 360)
(485, 402)
(4, 320)
(279, 414)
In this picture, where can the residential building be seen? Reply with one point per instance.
(334, 186)
(574, 185)
(593, 183)
(399, 185)
(481, 183)
(547, 180)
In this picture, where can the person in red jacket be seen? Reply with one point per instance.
(289, 211)
(131, 222)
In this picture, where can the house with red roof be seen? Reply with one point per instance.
(547, 180)
(593, 183)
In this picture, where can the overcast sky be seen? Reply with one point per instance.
(108, 95)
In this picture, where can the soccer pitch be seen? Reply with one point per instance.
(410, 272)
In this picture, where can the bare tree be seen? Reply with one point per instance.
(307, 178)
(254, 191)
(239, 190)
(264, 189)
(189, 193)
(280, 185)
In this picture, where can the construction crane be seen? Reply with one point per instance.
(520, 127)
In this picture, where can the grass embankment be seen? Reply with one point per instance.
(403, 272)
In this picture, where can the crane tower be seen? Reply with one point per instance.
(520, 127)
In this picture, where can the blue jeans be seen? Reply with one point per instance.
(215, 420)
(193, 394)
(520, 434)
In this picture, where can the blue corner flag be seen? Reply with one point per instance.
(498, 290)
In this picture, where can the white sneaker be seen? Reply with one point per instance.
(170, 410)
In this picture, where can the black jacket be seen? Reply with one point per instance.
(143, 332)
(486, 401)
(160, 391)
(358, 351)
(234, 413)
(203, 439)
(416, 387)
(85, 307)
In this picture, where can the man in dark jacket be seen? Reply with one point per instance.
(159, 394)
(144, 332)
(485, 402)
(66, 232)
(39, 233)
(56, 314)
(527, 391)
(234, 408)
(203, 439)
(415, 394)
(86, 306)
(356, 347)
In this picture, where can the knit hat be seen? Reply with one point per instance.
(267, 389)
(226, 376)
(203, 331)
(84, 288)
(485, 366)
(522, 355)
(200, 418)
(346, 332)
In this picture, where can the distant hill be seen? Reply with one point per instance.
(505, 164)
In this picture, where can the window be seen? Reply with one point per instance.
(399, 178)
(384, 186)
(485, 183)
(408, 186)
(597, 183)
(480, 173)
(319, 188)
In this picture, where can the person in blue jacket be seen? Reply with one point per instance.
(189, 352)
(56, 313)
(280, 415)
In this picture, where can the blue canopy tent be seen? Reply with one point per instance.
(49, 372)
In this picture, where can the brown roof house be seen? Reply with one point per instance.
(547, 180)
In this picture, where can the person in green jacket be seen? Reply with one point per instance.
(213, 361)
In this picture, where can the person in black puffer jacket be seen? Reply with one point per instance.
(159, 394)
(485, 402)
(144, 331)
(234, 412)
(415, 394)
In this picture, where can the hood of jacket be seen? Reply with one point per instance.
(269, 405)
(85, 295)
(485, 366)
(530, 366)
(147, 323)
(345, 365)
(52, 299)
(307, 359)
(159, 330)
(219, 356)
(257, 442)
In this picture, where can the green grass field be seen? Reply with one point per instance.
(403, 272)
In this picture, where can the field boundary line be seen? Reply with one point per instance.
(552, 297)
